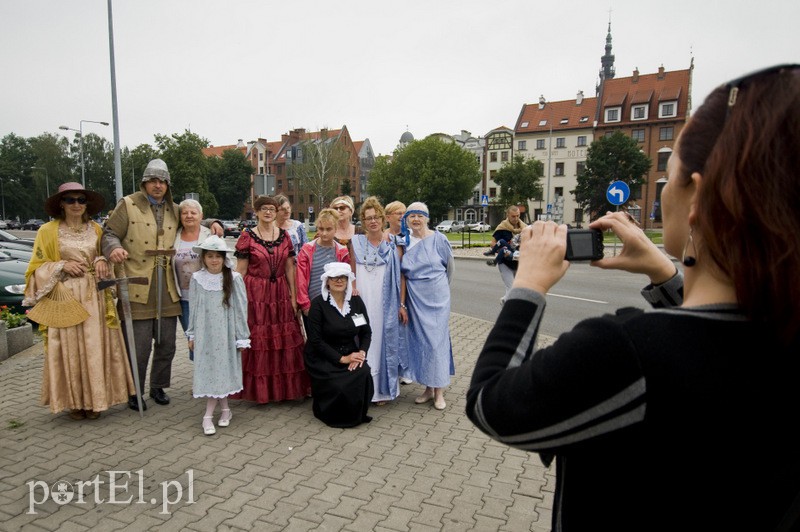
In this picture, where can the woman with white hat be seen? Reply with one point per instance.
(85, 366)
(339, 336)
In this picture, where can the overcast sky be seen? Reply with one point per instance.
(231, 69)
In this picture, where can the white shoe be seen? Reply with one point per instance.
(225, 418)
(406, 380)
(208, 425)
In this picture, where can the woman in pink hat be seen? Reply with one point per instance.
(85, 367)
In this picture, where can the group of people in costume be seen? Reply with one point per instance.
(344, 317)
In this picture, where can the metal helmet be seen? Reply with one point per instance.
(156, 169)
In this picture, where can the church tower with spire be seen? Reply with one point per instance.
(607, 60)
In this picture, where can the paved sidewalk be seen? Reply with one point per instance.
(275, 468)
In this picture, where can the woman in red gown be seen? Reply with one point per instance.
(273, 368)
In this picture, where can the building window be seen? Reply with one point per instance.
(578, 217)
(493, 157)
(261, 170)
(492, 173)
(580, 168)
(492, 192)
(279, 184)
(665, 133)
(260, 156)
(542, 123)
(639, 112)
(564, 121)
(291, 198)
(612, 114)
(561, 142)
(279, 170)
(584, 119)
(504, 156)
(638, 135)
(476, 196)
(539, 144)
(559, 168)
(524, 124)
(667, 109)
(582, 140)
(522, 145)
(558, 191)
(663, 157)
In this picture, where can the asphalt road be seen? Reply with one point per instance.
(583, 292)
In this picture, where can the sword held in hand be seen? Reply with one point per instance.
(125, 303)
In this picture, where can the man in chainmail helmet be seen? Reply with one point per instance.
(144, 221)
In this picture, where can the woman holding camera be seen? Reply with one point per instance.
(688, 406)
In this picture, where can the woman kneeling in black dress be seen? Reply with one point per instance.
(338, 339)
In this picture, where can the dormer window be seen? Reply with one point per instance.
(613, 114)
(542, 123)
(584, 119)
(564, 120)
(639, 112)
(668, 109)
(524, 124)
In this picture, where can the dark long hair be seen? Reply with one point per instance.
(748, 202)
(227, 278)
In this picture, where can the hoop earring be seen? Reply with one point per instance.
(689, 260)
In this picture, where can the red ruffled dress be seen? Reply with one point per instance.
(273, 368)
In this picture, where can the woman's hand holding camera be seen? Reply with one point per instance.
(639, 254)
(541, 256)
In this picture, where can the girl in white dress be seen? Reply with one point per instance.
(217, 330)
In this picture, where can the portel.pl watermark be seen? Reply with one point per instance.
(110, 487)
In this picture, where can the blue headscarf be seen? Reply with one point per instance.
(415, 208)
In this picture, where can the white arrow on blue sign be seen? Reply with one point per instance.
(484, 201)
(618, 193)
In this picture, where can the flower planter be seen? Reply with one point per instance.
(19, 338)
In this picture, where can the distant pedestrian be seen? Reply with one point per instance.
(656, 419)
(217, 330)
(505, 231)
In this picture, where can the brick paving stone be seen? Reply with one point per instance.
(315, 510)
(281, 514)
(460, 518)
(331, 523)
(212, 521)
(365, 520)
(431, 515)
(399, 519)
(347, 507)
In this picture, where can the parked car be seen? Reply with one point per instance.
(8, 237)
(13, 224)
(450, 226)
(231, 228)
(33, 224)
(12, 281)
(247, 223)
(480, 227)
(17, 251)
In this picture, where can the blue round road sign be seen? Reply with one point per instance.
(618, 193)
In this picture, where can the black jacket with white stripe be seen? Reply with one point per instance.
(675, 419)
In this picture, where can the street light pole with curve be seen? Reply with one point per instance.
(80, 132)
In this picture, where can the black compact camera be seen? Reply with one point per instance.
(584, 244)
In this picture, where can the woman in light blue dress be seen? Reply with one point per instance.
(427, 266)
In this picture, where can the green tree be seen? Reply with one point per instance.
(519, 180)
(613, 158)
(321, 168)
(188, 167)
(133, 164)
(441, 174)
(18, 196)
(98, 161)
(54, 165)
(229, 182)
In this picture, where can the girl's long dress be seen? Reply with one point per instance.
(217, 331)
(377, 278)
(273, 367)
(430, 354)
(86, 365)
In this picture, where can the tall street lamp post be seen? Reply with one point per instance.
(542, 104)
(80, 131)
(46, 177)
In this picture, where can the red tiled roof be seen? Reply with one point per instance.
(665, 86)
(357, 144)
(554, 114)
(217, 151)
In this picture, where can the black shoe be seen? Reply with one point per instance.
(491, 262)
(134, 405)
(488, 253)
(159, 396)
